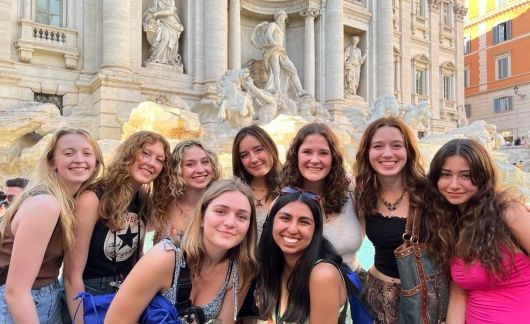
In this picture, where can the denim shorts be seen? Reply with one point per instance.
(47, 301)
(102, 285)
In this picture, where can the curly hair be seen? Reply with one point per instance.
(336, 182)
(44, 180)
(176, 182)
(239, 170)
(244, 253)
(480, 232)
(366, 183)
(118, 191)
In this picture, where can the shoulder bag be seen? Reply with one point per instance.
(424, 286)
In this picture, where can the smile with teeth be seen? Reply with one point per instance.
(388, 163)
(290, 239)
(314, 169)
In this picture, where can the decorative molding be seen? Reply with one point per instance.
(460, 11)
(435, 4)
(310, 12)
(357, 13)
(270, 7)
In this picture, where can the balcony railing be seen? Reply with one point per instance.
(35, 37)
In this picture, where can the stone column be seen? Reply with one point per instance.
(385, 32)
(198, 57)
(234, 58)
(334, 54)
(309, 49)
(215, 40)
(26, 14)
(116, 42)
(70, 14)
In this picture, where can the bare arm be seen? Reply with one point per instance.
(226, 314)
(86, 218)
(456, 311)
(152, 274)
(518, 220)
(33, 227)
(327, 294)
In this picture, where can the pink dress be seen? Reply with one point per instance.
(493, 300)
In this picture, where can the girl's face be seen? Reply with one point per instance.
(314, 158)
(388, 155)
(74, 160)
(226, 220)
(293, 228)
(254, 157)
(197, 170)
(147, 164)
(455, 181)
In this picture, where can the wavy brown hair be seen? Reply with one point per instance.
(336, 182)
(118, 191)
(244, 253)
(480, 232)
(264, 138)
(366, 183)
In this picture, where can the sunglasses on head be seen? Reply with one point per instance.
(308, 194)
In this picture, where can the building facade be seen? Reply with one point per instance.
(90, 57)
(496, 65)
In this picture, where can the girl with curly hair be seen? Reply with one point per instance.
(193, 167)
(38, 228)
(479, 234)
(389, 184)
(218, 248)
(255, 161)
(301, 276)
(112, 216)
(315, 163)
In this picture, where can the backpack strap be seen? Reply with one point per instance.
(183, 301)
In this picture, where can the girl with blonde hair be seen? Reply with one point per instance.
(218, 248)
(112, 216)
(38, 229)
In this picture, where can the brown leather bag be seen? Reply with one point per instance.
(424, 286)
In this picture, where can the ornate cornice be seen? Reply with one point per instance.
(310, 11)
(435, 4)
(270, 7)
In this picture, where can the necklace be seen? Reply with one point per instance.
(392, 206)
(257, 200)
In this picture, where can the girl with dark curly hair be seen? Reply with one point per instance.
(314, 162)
(112, 216)
(479, 234)
(255, 161)
(193, 168)
(389, 184)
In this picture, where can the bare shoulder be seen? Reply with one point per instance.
(324, 273)
(43, 204)
(515, 212)
(87, 198)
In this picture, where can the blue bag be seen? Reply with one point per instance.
(360, 313)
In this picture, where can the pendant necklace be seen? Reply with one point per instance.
(257, 200)
(392, 206)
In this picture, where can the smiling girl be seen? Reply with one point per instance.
(193, 168)
(217, 248)
(111, 217)
(38, 229)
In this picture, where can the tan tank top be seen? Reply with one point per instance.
(53, 256)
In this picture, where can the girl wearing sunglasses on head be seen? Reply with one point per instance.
(314, 162)
(301, 277)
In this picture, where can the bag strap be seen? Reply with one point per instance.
(183, 301)
(412, 228)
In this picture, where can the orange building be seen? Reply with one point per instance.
(497, 64)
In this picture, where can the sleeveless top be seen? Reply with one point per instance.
(122, 245)
(53, 256)
(344, 232)
(491, 299)
(212, 309)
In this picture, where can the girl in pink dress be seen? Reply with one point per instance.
(480, 235)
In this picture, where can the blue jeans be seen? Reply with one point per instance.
(101, 285)
(47, 301)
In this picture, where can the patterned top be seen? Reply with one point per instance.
(212, 309)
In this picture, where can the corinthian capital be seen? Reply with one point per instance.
(460, 11)
(310, 11)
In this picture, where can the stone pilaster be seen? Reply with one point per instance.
(234, 40)
(385, 29)
(309, 49)
(116, 31)
(70, 12)
(9, 77)
(199, 43)
(215, 41)
(334, 56)
(26, 10)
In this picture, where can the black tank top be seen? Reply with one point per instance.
(122, 244)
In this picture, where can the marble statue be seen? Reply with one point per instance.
(420, 114)
(353, 61)
(235, 105)
(383, 106)
(269, 37)
(461, 117)
(265, 104)
(163, 28)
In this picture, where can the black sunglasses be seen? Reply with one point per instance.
(308, 194)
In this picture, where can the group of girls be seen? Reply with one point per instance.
(306, 218)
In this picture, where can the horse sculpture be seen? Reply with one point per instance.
(420, 114)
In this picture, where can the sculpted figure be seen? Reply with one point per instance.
(235, 106)
(269, 37)
(420, 114)
(461, 116)
(353, 60)
(163, 28)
